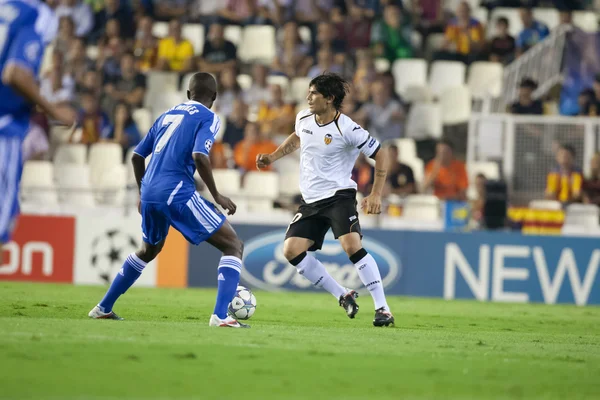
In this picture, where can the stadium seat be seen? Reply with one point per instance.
(102, 157)
(407, 72)
(258, 44)
(586, 20)
(585, 215)
(109, 184)
(485, 79)
(160, 29)
(299, 89)
(289, 184)
(446, 74)
(233, 33)
(548, 16)
(417, 94)
(434, 43)
(261, 189)
(228, 181)
(382, 65)
(71, 154)
(245, 81)
(456, 105)
(92, 52)
(421, 207)
(545, 205)
(143, 120)
(490, 169)
(280, 80)
(195, 34)
(514, 20)
(74, 186)
(481, 14)
(37, 183)
(407, 149)
(424, 121)
(157, 84)
(164, 101)
(418, 167)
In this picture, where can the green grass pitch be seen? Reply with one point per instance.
(301, 346)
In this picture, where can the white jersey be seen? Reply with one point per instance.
(328, 153)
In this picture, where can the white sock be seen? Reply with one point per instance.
(371, 278)
(314, 271)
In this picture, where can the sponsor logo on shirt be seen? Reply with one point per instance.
(328, 138)
(372, 142)
(307, 131)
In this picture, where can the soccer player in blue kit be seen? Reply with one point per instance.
(25, 27)
(180, 142)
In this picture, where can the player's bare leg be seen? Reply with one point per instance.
(230, 267)
(369, 275)
(295, 251)
(131, 271)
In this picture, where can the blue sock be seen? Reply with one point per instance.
(229, 277)
(132, 269)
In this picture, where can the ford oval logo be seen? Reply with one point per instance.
(266, 268)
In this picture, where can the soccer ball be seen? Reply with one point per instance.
(243, 304)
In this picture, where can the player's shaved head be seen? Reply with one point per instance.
(203, 88)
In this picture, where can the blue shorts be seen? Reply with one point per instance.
(197, 220)
(10, 177)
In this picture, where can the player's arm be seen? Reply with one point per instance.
(20, 74)
(370, 147)
(291, 144)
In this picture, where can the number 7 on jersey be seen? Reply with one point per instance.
(173, 122)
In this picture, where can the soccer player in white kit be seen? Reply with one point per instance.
(329, 144)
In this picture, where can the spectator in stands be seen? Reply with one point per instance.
(115, 9)
(109, 59)
(588, 105)
(427, 16)
(328, 39)
(218, 156)
(383, 115)
(364, 74)
(174, 52)
(478, 203)
(253, 144)
(464, 36)
(91, 83)
(355, 29)
(532, 33)
(236, 124)
(238, 12)
(368, 9)
(167, 10)
(400, 177)
(129, 87)
(58, 87)
(229, 90)
(218, 53)
(310, 12)
(363, 175)
(445, 175)
(112, 32)
(77, 62)
(125, 131)
(36, 145)
(80, 13)
(502, 46)
(591, 186)
(205, 11)
(565, 182)
(145, 45)
(526, 104)
(391, 36)
(94, 123)
(351, 107)
(66, 35)
(276, 117)
(293, 56)
(324, 64)
(259, 91)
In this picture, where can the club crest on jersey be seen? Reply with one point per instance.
(328, 138)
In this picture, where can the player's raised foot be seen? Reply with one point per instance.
(228, 322)
(348, 303)
(383, 317)
(97, 313)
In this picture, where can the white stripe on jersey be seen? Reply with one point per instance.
(8, 174)
(174, 192)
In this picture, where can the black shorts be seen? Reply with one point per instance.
(312, 221)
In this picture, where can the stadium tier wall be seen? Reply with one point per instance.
(487, 266)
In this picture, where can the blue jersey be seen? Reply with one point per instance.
(177, 134)
(20, 44)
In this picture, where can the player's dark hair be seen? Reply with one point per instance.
(568, 147)
(331, 85)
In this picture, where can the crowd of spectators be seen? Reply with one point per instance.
(346, 37)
